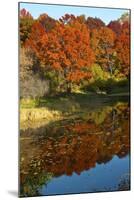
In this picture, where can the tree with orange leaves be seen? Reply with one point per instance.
(122, 45)
(115, 26)
(65, 49)
(47, 22)
(102, 41)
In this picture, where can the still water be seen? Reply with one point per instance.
(85, 152)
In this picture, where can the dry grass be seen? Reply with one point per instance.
(34, 114)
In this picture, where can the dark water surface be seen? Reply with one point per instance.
(85, 152)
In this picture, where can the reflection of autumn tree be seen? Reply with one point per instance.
(80, 146)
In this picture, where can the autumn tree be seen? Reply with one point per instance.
(94, 23)
(120, 24)
(67, 19)
(115, 26)
(122, 46)
(122, 43)
(102, 43)
(65, 49)
(25, 24)
(47, 22)
(81, 19)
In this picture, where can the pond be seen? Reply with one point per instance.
(85, 152)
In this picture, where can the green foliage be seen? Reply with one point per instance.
(29, 103)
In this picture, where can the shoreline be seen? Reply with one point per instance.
(58, 110)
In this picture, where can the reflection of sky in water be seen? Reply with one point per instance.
(101, 178)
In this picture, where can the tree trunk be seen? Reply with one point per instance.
(69, 87)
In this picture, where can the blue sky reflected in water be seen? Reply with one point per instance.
(102, 177)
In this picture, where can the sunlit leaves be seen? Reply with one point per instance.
(65, 48)
(71, 45)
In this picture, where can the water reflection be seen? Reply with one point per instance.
(74, 145)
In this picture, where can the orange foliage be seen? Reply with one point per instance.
(66, 48)
(103, 45)
(122, 46)
(71, 44)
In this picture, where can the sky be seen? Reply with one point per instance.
(56, 11)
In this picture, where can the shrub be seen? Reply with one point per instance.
(34, 87)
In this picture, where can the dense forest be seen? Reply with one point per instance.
(73, 54)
